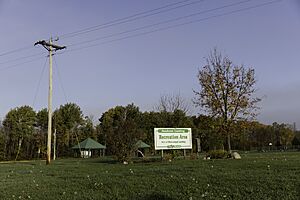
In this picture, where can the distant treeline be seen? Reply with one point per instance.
(23, 131)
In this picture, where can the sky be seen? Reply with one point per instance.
(146, 56)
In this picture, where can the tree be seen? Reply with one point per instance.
(296, 140)
(151, 120)
(226, 91)
(66, 120)
(120, 126)
(260, 135)
(86, 129)
(284, 134)
(2, 142)
(42, 129)
(171, 103)
(19, 126)
(206, 130)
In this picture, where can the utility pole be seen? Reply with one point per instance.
(50, 47)
(54, 144)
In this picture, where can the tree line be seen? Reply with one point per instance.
(23, 132)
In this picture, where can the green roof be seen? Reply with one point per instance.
(140, 144)
(89, 144)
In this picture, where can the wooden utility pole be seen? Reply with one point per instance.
(54, 144)
(49, 106)
(50, 47)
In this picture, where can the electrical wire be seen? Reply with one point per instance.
(110, 23)
(16, 50)
(20, 64)
(22, 58)
(161, 23)
(39, 83)
(145, 27)
(175, 26)
(60, 80)
(129, 18)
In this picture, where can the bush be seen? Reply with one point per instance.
(193, 156)
(218, 154)
(176, 153)
(168, 157)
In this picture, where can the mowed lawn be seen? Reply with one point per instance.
(256, 176)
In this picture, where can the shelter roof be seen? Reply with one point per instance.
(89, 143)
(142, 145)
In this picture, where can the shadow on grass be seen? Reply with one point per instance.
(104, 161)
(135, 160)
(154, 196)
(147, 159)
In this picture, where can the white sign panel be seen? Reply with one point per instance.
(172, 138)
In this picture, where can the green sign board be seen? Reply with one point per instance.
(172, 138)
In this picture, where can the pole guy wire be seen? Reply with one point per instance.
(39, 83)
(60, 80)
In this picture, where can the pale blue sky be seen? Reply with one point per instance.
(141, 69)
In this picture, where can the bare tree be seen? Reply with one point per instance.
(226, 91)
(170, 103)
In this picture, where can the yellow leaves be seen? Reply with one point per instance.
(226, 89)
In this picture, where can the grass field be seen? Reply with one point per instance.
(256, 176)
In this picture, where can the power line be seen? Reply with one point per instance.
(129, 18)
(22, 58)
(16, 50)
(20, 64)
(60, 80)
(39, 83)
(177, 25)
(148, 26)
(112, 23)
(162, 22)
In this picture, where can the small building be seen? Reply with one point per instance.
(141, 148)
(89, 147)
(142, 145)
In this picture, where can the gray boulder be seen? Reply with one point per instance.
(236, 155)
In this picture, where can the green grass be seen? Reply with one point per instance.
(256, 176)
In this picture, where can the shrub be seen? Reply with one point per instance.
(193, 156)
(168, 157)
(218, 154)
(176, 153)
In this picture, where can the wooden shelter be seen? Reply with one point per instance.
(89, 147)
(141, 148)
